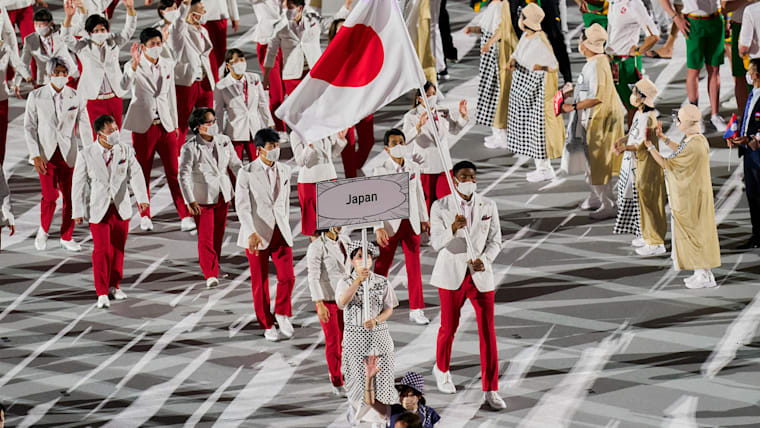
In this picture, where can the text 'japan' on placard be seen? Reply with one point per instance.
(362, 200)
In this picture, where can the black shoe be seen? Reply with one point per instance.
(753, 242)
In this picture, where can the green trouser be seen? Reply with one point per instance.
(628, 73)
(595, 16)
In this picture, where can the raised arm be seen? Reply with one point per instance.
(130, 24)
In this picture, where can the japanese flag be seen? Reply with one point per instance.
(369, 63)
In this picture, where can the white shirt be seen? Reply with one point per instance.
(466, 208)
(748, 36)
(197, 39)
(58, 101)
(492, 17)
(267, 13)
(272, 176)
(532, 51)
(587, 88)
(107, 155)
(700, 7)
(47, 43)
(155, 70)
(626, 20)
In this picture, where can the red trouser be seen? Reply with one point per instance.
(167, 144)
(248, 146)
(411, 244)
(435, 187)
(354, 155)
(217, 32)
(23, 18)
(276, 89)
(109, 237)
(112, 106)
(333, 330)
(57, 177)
(211, 224)
(290, 85)
(282, 257)
(111, 8)
(199, 94)
(3, 128)
(451, 305)
(307, 198)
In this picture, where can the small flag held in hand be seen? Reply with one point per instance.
(732, 129)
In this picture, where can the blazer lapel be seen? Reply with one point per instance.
(98, 164)
(262, 178)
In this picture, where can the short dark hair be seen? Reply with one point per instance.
(264, 136)
(163, 5)
(101, 122)
(297, 3)
(334, 29)
(427, 86)
(231, 53)
(194, 2)
(54, 62)
(412, 420)
(463, 165)
(198, 116)
(95, 20)
(392, 131)
(43, 15)
(150, 33)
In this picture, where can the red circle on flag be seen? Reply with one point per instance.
(353, 59)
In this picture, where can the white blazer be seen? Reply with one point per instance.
(221, 9)
(485, 233)
(299, 52)
(18, 4)
(267, 13)
(35, 49)
(96, 65)
(242, 119)
(45, 131)
(326, 265)
(8, 53)
(191, 47)
(316, 158)
(201, 177)
(417, 204)
(424, 142)
(256, 209)
(6, 212)
(107, 185)
(150, 93)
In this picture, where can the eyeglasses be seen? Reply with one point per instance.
(209, 123)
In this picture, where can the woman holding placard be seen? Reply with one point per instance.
(366, 330)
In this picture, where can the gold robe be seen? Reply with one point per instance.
(423, 46)
(606, 125)
(507, 45)
(650, 186)
(695, 234)
(555, 126)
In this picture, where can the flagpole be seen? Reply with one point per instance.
(436, 138)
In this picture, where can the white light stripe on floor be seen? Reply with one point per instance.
(197, 415)
(107, 363)
(148, 271)
(29, 290)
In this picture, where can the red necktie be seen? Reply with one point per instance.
(109, 159)
(245, 90)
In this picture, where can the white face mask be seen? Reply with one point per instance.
(200, 18)
(99, 38)
(212, 130)
(239, 68)
(432, 100)
(59, 81)
(291, 14)
(398, 151)
(748, 76)
(153, 52)
(467, 188)
(272, 155)
(171, 15)
(113, 138)
(42, 30)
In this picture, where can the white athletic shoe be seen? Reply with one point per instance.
(592, 202)
(495, 142)
(493, 400)
(212, 282)
(604, 213)
(417, 316)
(718, 123)
(339, 391)
(187, 224)
(443, 381)
(700, 280)
(103, 302)
(638, 242)
(286, 328)
(117, 293)
(40, 241)
(651, 250)
(146, 223)
(271, 335)
(540, 175)
(71, 245)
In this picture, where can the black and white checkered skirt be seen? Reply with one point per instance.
(628, 219)
(488, 88)
(358, 342)
(526, 124)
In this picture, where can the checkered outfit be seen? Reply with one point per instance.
(488, 88)
(628, 219)
(526, 124)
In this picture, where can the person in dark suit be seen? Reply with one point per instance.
(551, 25)
(748, 142)
(444, 25)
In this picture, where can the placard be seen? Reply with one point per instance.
(362, 200)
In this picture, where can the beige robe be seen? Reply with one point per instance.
(695, 234)
(650, 186)
(423, 46)
(555, 126)
(507, 45)
(606, 125)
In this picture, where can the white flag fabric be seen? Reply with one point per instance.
(369, 63)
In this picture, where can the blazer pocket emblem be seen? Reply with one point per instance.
(411, 177)
(73, 108)
(486, 218)
(122, 161)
